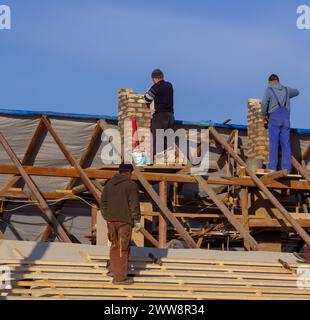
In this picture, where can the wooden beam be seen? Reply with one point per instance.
(303, 171)
(30, 154)
(71, 160)
(229, 140)
(250, 241)
(274, 175)
(305, 153)
(245, 212)
(302, 233)
(285, 183)
(89, 154)
(48, 229)
(162, 228)
(34, 191)
(163, 208)
(252, 244)
(149, 237)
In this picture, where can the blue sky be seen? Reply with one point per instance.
(74, 55)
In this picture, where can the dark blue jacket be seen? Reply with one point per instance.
(162, 95)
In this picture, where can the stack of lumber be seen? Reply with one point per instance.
(169, 278)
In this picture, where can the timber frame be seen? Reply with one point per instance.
(233, 202)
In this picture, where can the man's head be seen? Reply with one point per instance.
(157, 75)
(126, 169)
(273, 79)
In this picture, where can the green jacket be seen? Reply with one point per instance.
(120, 200)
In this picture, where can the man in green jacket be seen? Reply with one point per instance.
(120, 207)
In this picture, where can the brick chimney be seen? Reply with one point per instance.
(132, 104)
(258, 136)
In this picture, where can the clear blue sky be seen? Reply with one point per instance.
(74, 55)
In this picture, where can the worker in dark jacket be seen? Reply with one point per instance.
(120, 207)
(276, 110)
(162, 94)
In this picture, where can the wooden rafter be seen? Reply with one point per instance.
(286, 183)
(30, 154)
(164, 209)
(303, 171)
(250, 241)
(72, 160)
(302, 233)
(89, 154)
(305, 153)
(42, 204)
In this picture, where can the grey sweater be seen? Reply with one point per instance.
(269, 99)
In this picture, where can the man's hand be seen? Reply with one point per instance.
(137, 227)
(266, 122)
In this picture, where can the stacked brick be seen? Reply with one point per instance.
(258, 140)
(132, 104)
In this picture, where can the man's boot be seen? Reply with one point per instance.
(125, 282)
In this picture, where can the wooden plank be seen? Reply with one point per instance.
(42, 204)
(150, 265)
(150, 294)
(153, 177)
(210, 261)
(274, 175)
(163, 208)
(194, 289)
(153, 270)
(245, 212)
(252, 244)
(303, 171)
(274, 267)
(162, 221)
(209, 271)
(48, 229)
(161, 280)
(149, 237)
(179, 267)
(302, 233)
(71, 160)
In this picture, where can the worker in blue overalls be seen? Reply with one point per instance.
(276, 110)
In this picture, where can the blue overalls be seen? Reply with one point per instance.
(279, 131)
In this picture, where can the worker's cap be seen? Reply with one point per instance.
(125, 167)
(273, 77)
(157, 73)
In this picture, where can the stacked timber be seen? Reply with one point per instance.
(258, 139)
(172, 278)
(131, 105)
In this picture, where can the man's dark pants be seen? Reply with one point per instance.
(119, 234)
(161, 120)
